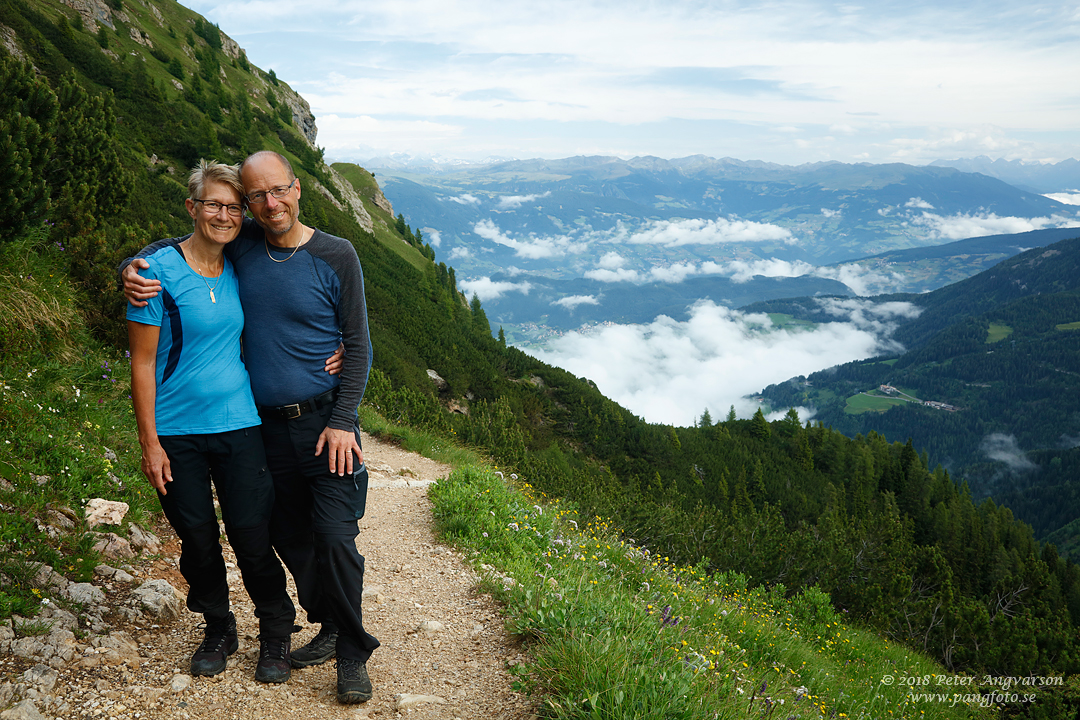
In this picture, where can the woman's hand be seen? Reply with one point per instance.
(335, 362)
(155, 466)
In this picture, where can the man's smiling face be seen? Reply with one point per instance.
(261, 175)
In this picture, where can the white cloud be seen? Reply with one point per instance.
(673, 273)
(861, 280)
(729, 78)
(572, 301)
(1071, 197)
(830, 213)
(487, 289)
(509, 202)
(958, 227)
(434, 238)
(465, 199)
(1004, 448)
(917, 202)
(611, 261)
(460, 252)
(535, 248)
(669, 371)
(697, 231)
(618, 275)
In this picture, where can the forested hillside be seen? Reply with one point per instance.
(88, 142)
(1001, 350)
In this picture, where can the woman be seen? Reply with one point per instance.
(198, 425)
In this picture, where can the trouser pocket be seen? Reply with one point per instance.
(358, 493)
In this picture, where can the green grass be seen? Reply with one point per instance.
(616, 632)
(1068, 326)
(997, 333)
(436, 447)
(857, 404)
(63, 408)
(783, 321)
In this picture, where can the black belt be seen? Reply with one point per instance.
(289, 412)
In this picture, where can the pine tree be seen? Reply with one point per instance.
(28, 111)
(86, 160)
(759, 426)
(479, 317)
(175, 68)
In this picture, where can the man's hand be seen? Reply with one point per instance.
(341, 444)
(335, 362)
(156, 467)
(138, 289)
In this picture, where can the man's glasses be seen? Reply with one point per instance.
(213, 207)
(257, 198)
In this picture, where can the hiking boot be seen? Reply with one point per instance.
(321, 648)
(219, 642)
(273, 664)
(353, 683)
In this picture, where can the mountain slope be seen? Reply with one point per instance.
(898, 546)
(1001, 349)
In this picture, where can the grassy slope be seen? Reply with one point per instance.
(383, 222)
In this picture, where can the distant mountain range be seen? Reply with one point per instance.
(1034, 177)
(586, 239)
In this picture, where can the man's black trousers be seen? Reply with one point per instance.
(313, 526)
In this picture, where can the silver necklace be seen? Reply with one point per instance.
(267, 246)
(211, 289)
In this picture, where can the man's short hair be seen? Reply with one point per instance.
(263, 153)
(213, 171)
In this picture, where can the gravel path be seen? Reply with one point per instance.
(444, 654)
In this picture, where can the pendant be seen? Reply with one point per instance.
(212, 298)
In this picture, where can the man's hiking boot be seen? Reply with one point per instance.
(273, 664)
(219, 642)
(321, 648)
(353, 683)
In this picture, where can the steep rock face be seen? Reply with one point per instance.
(301, 110)
(381, 201)
(353, 204)
(92, 12)
(10, 41)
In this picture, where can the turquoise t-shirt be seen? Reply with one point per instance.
(202, 384)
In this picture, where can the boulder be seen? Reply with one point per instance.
(144, 540)
(24, 710)
(113, 546)
(117, 648)
(160, 599)
(41, 676)
(85, 594)
(100, 511)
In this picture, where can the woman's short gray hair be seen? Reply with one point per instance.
(213, 171)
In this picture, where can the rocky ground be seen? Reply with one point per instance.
(444, 651)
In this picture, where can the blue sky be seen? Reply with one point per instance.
(786, 82)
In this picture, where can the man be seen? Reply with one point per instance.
(302, 292)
